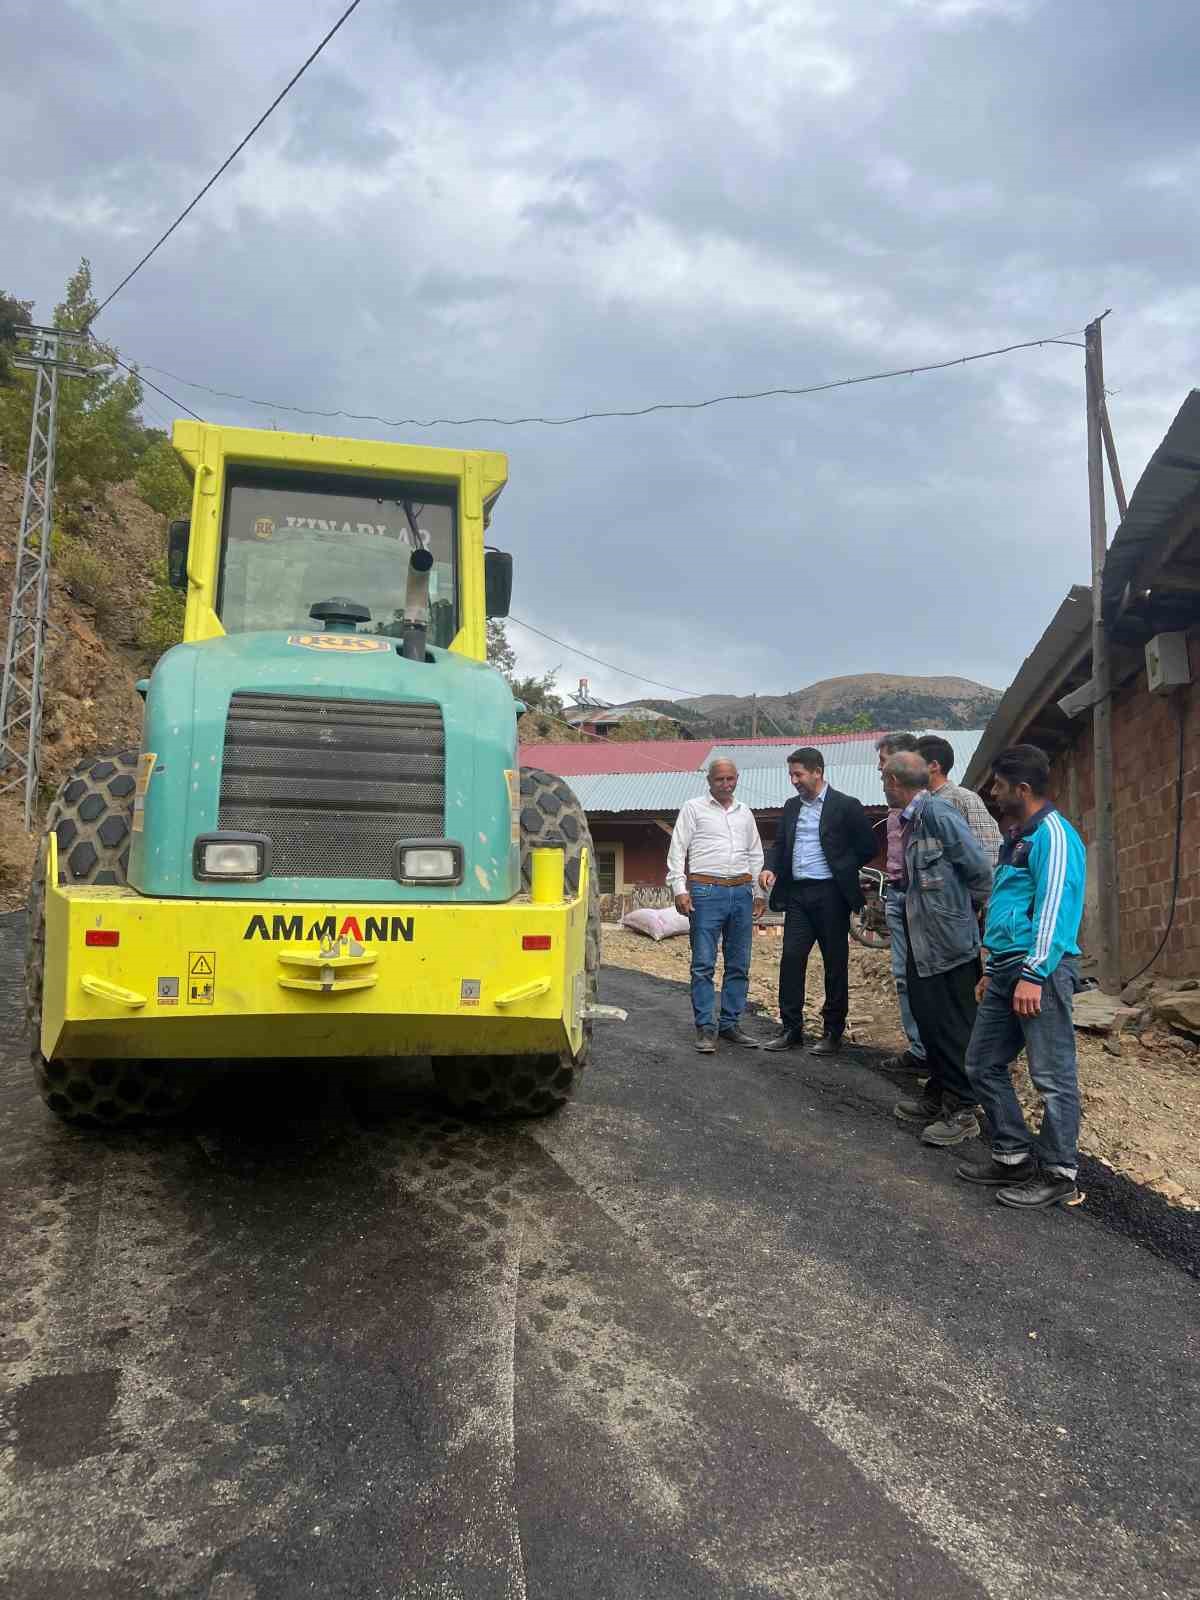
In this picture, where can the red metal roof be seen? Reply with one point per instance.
(657, 755)
(617, 755)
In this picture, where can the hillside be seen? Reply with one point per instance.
(101, 593)
(868, 699)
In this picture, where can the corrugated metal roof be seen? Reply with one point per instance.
(842, 750)
(852, 767)
(686, 755)
(1066, 641)
(1172, 475)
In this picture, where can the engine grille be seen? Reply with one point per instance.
(333, 783)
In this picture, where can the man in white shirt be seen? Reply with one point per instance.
(713, 866)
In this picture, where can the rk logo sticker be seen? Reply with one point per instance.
(351, 643)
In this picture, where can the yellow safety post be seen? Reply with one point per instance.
(546, 881)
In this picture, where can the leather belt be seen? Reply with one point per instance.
(721, 883)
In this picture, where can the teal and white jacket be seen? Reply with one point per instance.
(1037, 897)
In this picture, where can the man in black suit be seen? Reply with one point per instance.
(824, 839)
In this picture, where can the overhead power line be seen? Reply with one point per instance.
(639, 411)
(637, 676)
(136, 372)
(612, 667)
(228, 161)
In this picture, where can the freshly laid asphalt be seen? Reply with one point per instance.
(722, 1328)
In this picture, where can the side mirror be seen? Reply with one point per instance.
(497, 582)
(177, 552)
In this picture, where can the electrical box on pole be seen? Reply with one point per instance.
(21, 687)
(1168, 666)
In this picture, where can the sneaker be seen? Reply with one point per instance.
(1040, 1189)
(916, 1113)
(706, 1041)
(952, 1127)
(902, 1063)
(1000, 1174)
(735, 1035)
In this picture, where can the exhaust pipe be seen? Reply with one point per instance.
(416, 606)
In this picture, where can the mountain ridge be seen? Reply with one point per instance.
(866, 700)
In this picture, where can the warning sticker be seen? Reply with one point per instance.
(513, 780)
(202, 977)
(168, 991)
(352, 643)
(469, 992)
(144, 773)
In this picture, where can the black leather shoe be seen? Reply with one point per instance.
(735, 1035)
(828, 1045)
(903, 1063)
(789, 1039)
(1042, 1189)
(997, 1174)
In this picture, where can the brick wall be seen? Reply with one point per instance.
(1145, 766)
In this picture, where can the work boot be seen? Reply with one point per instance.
(735, 1035)
(952, 1127)
(1041, 1188)
(706, 1041)
(998, 1174)
(916, 1113)
(827, 1045)
(788, 1039)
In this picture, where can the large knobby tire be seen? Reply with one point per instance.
(535, 1085)
(92, 817)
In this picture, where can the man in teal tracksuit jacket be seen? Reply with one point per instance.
(1030, 977)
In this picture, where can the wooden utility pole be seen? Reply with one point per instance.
(1104, 842)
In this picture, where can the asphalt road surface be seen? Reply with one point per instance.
(721, 1329)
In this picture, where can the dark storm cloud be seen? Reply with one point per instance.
(557, 207)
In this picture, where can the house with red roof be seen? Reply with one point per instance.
(632, 792)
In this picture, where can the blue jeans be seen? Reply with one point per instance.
(893, 906)
(1049, 1042)
(720, 917)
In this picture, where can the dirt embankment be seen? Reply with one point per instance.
(1141, 1108)
(93, 658)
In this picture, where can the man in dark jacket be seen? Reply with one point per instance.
(824, 839)
(947, 878)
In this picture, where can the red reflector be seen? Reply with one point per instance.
(535, 941)
(106, 937)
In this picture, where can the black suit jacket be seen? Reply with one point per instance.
(847, 840)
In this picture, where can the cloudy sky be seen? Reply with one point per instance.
(559, 205)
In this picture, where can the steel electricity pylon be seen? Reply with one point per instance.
(48, 355)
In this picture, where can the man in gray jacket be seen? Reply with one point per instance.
(947, 880)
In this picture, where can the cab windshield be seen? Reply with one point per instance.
(291, 540)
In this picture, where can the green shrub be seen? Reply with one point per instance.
(162, 624)
(162, 482)
(89, 578)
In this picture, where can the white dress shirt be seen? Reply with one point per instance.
(718, 841)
